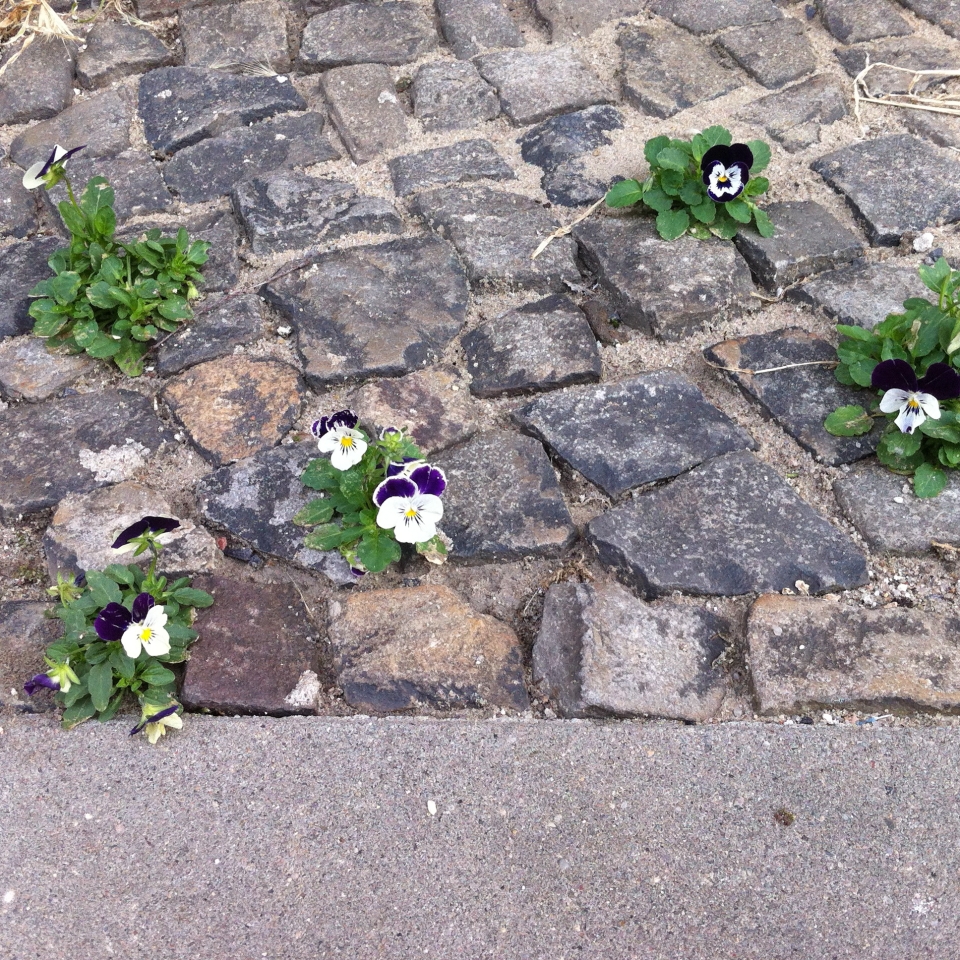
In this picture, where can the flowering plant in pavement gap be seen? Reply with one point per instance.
(122, 628)
(377, 495)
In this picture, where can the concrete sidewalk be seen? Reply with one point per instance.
(314, 838)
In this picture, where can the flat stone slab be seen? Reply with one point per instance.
(665, 70)
(25, 634)
(115, 50)
(853, 21)
(773, 53)
(450, 95)
(423, 647)
(539, 346)
(153, 9)
(941, 129)
(728, 527)
(706, 278)
(256, 500)
(801, 398)
(39, 83)
(622, 435)
(911, 52)
(28, 371)
(461, 162)
(256, 643)
(496, 232)
(894, 185)
(602, 651)
(181, 106)
(944, 13)
(18, 206)
(382, 310)
(512, 471)
(476, 26)
(22, 267)
(73, 445)
(708, 16)
(891, 518)
(255, 30)
(808, 239)
(808, 653)
(536, 85)
(235, 406)
(574, 18)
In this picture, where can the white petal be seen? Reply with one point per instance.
(131, 641)
(173, 721)
(343, 458)
(59, 153)
(159, 642)
(155, 731)
(156, 617)
(328, 442)
(30, 179)
(929, 405)
(894, 400)
(429, 506)
(417, 529)
(392, 511)
(909, 419)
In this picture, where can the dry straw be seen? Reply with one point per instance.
(948, 103)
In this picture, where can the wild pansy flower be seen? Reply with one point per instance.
(410, 505)
(337, 436)
(41, 680)
(156, 723)
(155, 526)
(143, 627)
(726, 170)
(60, 676)
(48, 173)
(915, 399)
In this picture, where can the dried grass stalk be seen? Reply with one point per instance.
(947, 103)
(25, 20)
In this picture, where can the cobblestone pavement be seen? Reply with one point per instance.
(640, 527)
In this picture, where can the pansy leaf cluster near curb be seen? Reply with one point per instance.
(703, 187)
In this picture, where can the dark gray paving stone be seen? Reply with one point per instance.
(154, 9)
(255, 30)
(535, 85)
(181, 106)
(116, 50)
(569, 19)
(807, 654)
(256, 499)
(603, 651)
(25, 634)
(219, 326)
(39, 83)
(449, 96)
(708, 16)
(891, 518)
(22, 267)
(894, 184)
(476, 26)
(73, 445)
(728, 527)
(630, 261)
(212, 168)
(863, 293)
(365, 109)
(552, 143)
(801, 398)
(388, 33)
(569, 185)
(423, 647)
(382, 310)
(256, 643)
(28, 371)
(622, 435)
(513, 472)
(459, 163)
(911, 53)
(18, 206)
(853, 21)
(291, 211)
(809, 239)
(773, 53)
(796, 116)
(665, 70)
(539, 346)
(944, 13)
(496, 232)
(941, 129)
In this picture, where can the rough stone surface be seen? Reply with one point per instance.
(665, 70)
(382, 310)
(534, 86)
(291, 211)
(448, 96)
(773, 53)
(707, 16)
(601, 650)
(495, 233)
(73, 445)
(476, 26)
(423, 646)
(39, 83)
(808, 240)
(894, 184)
(887, 514)
(255, 644)
(254, 30)
(944, 13)
(853, 21)
(115, 50)
(22, 267)
(512, 472)
(621, 435)
(84, 526)
(25, 633)
(728, 527)
(181, 106)
(28, 371)
(459, 163)
(388, 33)
(912, 53)
(801, 398)
(814, 653)
(539, 346)
(630, 260)
(941, 129)
(213, 167)
(256, 500)
(153, 9)
(365, 109)
(18, 207)
(575, 18)
(235, 406)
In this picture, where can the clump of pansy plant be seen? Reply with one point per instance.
(110, 298)
(703, 187)
(377, 495)
(122, 629)
(912, 357)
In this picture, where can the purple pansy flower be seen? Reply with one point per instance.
(155, 525)
(37, 175)
(915, 399)
(412, 514)
(429, 479)
(337, 436)
(143, 627)
(155, 717)
(342, 418)
(404, 467)
(156, 723)
(38, 681)
(726, 170)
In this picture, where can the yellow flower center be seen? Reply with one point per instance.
(721, 179)
(145, 634)
(346, 442)
(912, 403)
(410, 512)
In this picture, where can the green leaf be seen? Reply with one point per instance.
(670, 158)
(928, 481)
(756, 186)
(112, 270)
(65, 287)
(175, 308)
(129, 357)
(708, 138)
(103, 590)
(761, 156)
(105, 223)
(653, 147)
(672, 224)
(100, 684)
(352, 487)
(852, 421)
(198, 252)
(329, 536)
(738, 210)
(103, 347)
(85, 332)
(934, 277)
(928, 337)
(191, 597)
(157, 675)
(181, 633)
(97, 195)
(763, 223)
(656, 199)
(891, 451)
(73, 219)
(671, 182)
(950, 454)
(946, 428)
(321, 475)
(691, 193)
(699, 231)
(47, 323)
(624, 194)
(723, 226)
(316, 511)
(377, 550)
(857, 333)
(125, 666)
(893, 351)
(75, 715)
(862, 372)
(112, 707)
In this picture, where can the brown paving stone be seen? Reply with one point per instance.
(115, 50)
(28, 371)
(254, 30)
(25, 633)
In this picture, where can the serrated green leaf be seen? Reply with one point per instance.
(671, 182)
(765, 226)
(157, 675)
(191, 597)
(321, 475)
(316, 511)
(692, 193)
(75, 715)
(738, 210)
(935, 276)
(624, 194)
(103, 590)
(861, 372)
(653, 147)
(850, 421)
(699, 231)
(761, 156)
(670, 158)
(705, 211)
(377, 550)
(723, 226)
(928, 481)
(898, 455)
(656, 199)
(672, 224)
(756, 186)
(65, 287)
(100, 684)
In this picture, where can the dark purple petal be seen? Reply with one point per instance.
(429, 480)
(40, 680)
(394, 487)
(742, 154)
(153, 524)
(894, 375)
(112, 620)
(739, 154)
(941, 381)
(153, 718)
(342, 418)
(70, 153)
(395, 468)
(140, 607)
(357, 572)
